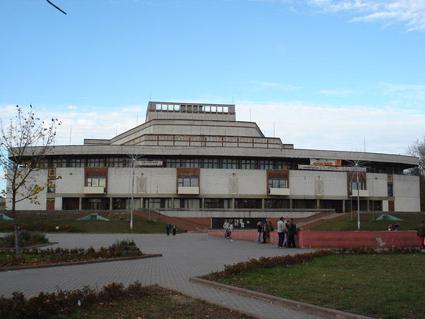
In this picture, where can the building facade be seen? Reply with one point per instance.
(196, 160)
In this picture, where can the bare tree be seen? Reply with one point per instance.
(418, 150)
(25, 142)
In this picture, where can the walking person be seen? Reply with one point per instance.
(421, 235)
(259, 230)
(285, 233)
(174, 229)
(266, 232)
(168, 229)
(225, 227)
(292, 230)
(280, 233)
(229, 231)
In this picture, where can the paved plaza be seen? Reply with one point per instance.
(184, 256)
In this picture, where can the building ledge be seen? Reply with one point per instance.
(94, 190)
(279, 191)
(362, 193)
(181, 190)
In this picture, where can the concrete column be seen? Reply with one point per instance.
(368, 202)
(317, 203)
(263, 203)
(202, 202)
(110, 203)
(232, 204)
(343, 205)
(80, 204)
(290, 203)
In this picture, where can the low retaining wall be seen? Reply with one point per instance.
(357, 239)
(336, 239)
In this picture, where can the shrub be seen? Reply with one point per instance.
(268, 262)
(61, 304)
(119, 249)
(25, 238)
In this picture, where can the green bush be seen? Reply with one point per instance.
(35, 256)
(25, 238)
(63, 303)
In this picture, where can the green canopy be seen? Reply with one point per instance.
(94, 217)
(5, 217)
(389, 218)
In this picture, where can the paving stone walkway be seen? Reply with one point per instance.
(184, 256)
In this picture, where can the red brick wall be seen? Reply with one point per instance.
(335, 239)
(353, 239)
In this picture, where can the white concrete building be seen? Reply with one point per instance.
(196, 160)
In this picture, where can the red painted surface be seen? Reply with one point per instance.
(250, 235)
(336, 239)
(354, 239)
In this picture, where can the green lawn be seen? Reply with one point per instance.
(410, 221)
(67, 222)
(383, 286)
(158, 303)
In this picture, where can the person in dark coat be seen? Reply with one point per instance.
(174, 230)
(259, 230)
(168, 229)
(292, 231)
(266, 232)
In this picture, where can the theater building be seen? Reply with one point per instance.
(197, 160)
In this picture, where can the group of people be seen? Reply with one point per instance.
(170, 229)
(264, 228)
(228, 228)
(286, 231)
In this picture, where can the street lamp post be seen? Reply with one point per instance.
(133, 159)
(358, 200)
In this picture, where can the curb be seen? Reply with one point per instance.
(292, 304)
(30, 247)
(80, 262)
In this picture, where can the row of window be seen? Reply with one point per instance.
(159, 107)
(174, 163)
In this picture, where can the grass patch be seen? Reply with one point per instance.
(411, 221)
(380, 285)
(68, 222)
(158, 303)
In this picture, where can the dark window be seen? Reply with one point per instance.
(248, 164)
(266, 164)
(188, 181)
(248, 203)
(277, 183)
(70, 203)
(230, 163)
(95, 203)
(96, 162)
(276, 203)
(390, 190)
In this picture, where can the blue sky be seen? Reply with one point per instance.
(327, 74)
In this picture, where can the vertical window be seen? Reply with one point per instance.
(188, 181)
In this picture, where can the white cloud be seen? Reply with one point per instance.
(335, 92)
(387, 130)
(90, 122)
(411, 13)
